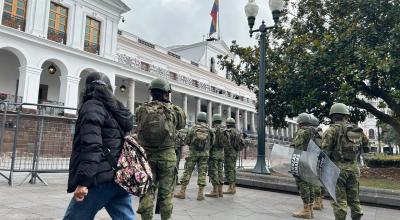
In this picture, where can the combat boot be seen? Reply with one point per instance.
(321, 202)
(318, 204)
(200, 193)
(221, 190)
(231, 189)
(181, 194)
(311, 209)
(305, 213)
(213, 193)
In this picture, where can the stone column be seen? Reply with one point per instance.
(245, 121)
(229, 113)
(237, 119)
(198, 107)
(252, 122)
(69, 92)
(185, 107)
(29, 81)
(220, 109)
(209, 113)
(131, 96)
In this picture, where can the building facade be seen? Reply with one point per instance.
(47, 48)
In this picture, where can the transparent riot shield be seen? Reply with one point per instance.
(326, 170)
(280, 159)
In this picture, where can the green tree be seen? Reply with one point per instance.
(328, 51)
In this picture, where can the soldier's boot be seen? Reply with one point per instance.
(200, 193)
(305, 213)
(321, 201)
(231, 189)
(317, 204)
(221, 190)
(213, 193)
(182, 193)
(311, 210)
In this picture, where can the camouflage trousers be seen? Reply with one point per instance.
(318, 191)
(164, 174)
(306, 191)
(347, 194)
(230, 168)
(215, 167)
(202, 166)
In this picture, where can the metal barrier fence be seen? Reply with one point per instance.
(35, 139)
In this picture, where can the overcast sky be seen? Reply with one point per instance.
(178, 22)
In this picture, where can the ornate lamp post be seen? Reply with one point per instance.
(251, 10)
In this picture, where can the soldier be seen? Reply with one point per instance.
(318, 190)
(180, 143)
(157, 123)
(300, 141)
(342, 142)
(199, 139)
(231, 150)
(216, 159)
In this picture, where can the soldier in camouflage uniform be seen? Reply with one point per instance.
(342, 142)
(180, 143)
(230, 155)
(199, 139)
(157, 123)
(318, 190)
(300, 142)
(216, 159)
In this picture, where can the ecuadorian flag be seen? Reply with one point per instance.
(214, 15)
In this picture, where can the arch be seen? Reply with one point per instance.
(62, 67)
(22, 58)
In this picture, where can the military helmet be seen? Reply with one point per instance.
(161, 84)
(202, 117)
(230, 121)
(314, 120)
(217, 117)
(303, 118)
(339, 108)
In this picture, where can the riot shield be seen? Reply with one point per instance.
(326, 170)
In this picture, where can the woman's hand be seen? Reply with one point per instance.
(80, 193)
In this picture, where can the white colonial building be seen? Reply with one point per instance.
(47, 48)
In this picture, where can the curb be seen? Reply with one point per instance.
(380, 197)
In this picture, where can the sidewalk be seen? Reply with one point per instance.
(37, 201)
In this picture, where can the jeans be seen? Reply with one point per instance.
(111, 196)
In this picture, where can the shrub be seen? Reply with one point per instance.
(383, 161)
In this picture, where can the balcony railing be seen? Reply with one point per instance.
(57, 36)
(91, 47)
(13, 21)
(48, 110)
(5, 97)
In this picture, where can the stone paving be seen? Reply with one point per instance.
(37, 201)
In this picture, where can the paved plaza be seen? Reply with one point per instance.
(29, 201)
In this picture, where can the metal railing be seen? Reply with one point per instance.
(12, 21)
(33, 142)
(91, 47)
(57, 36)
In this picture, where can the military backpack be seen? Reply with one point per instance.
(222, 138)
(156, 127)
(348, 142)
(236, 141)
(201, 137)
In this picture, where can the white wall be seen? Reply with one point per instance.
(9, 72)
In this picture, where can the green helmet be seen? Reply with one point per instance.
(201, 117)
(160, 84)
(230, 121)
(303, 118)
(339, 108)
(217, 117)
(314, 120)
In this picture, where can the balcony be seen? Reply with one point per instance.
(57, 36)
(13, 22)
(5, 97)
(91, 47)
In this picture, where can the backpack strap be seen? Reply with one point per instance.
(339, 141)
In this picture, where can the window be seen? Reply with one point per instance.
(14, 13)
(212, 65)
(371, 134)
(92, 35)
(58, 17)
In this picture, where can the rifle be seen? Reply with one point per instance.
(178, 160)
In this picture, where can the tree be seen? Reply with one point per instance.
(328, 51)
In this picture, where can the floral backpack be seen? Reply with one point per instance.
(133, 172)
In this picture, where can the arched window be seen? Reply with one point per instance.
(212, 65)
(371, 134)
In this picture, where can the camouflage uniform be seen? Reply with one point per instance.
(196, 157)
(300, 142)
(347, 188)
(216, 160)
(180, 142)
(162, 160)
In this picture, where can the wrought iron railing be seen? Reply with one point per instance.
(5, 97)
(91, 47)
(51, 108)
(57, 36)
(13, 21)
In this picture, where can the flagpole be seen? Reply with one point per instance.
(219, 34)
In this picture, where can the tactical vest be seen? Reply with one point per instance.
(200, 137)
(222, 138)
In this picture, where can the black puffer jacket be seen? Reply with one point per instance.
(97, 125)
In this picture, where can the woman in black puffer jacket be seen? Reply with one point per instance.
(102, 124)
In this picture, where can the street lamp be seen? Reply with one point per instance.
(251, 10)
